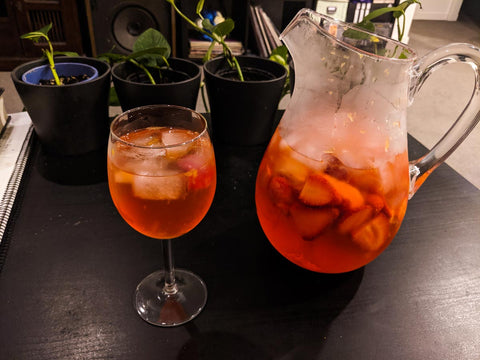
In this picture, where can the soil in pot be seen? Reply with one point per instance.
(65, 80)
(168, 76)
(249, 74)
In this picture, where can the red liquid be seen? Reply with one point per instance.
(162, 197)
(325, 216)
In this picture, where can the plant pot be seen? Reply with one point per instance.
(183, 91)
(68, 119)
(35, 75)
(243, 112)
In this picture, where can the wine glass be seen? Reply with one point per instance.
(162, 179)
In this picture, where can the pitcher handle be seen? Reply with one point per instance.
(422, 167)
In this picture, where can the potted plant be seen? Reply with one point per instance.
(243, 91)
(148, 76)
(66, 98)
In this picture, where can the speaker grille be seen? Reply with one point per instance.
(117, 24)
(41, 18)
(129, 23)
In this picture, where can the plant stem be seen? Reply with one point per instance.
(226, 50)
(141, 66)
(204, 100)
(49, 55)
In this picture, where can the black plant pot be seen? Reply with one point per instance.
(243, 113)
(183, 91)
(69, 119)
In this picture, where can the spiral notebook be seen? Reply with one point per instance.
(15, 144)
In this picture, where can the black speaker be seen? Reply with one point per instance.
(117, 24)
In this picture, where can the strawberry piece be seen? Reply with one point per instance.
(373, 234)
(376, 201)
(351, 197)
(355, 220)
(336, 168)
(281, 191)
(322, 189)
(317, 191)
(311, 222)
(191, 161)
(366, 179)
(289, 166)
(201, 178)
(198, 173)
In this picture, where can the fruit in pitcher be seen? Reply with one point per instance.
(347, 215)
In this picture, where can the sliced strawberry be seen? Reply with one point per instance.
(191, 161)
(351, 197)
(281, 191)
(366, 179)
(376, 201)
(318, 191)
(310, 222)
(373, 234)
(201, 178)
(336, 168)
(288, 166)
(355, 220)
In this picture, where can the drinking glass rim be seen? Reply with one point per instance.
(128, 143)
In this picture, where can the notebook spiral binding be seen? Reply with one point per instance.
(13, 184)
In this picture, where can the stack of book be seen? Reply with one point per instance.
(265, 33)
(198, 48)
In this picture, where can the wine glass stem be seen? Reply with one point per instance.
(170, 287)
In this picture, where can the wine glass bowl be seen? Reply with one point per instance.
(162, 179)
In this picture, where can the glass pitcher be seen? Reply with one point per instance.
(333, 185)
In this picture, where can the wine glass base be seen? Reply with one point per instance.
(159, 308)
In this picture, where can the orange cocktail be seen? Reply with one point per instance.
(162, 197)
(325, 216)
(162, 178)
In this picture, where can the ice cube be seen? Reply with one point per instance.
(151, 136)
(177, 136)
(172, 137)
(169, 187)
(122, 177)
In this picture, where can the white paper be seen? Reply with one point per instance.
(14, 150)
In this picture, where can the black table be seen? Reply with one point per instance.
(72, 264)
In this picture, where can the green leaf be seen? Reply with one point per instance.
(400, 9)
(66, 53)
(278, 59)
(112, 57)
(282, 51)
(157, 51)
(224, 28)
(150, 57)
(150, 48)
(151, 38)
(200, 6)
(368, 25)
(35, 36)
(207, 25)
(45, 29)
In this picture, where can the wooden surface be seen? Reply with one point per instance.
(72, 265)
